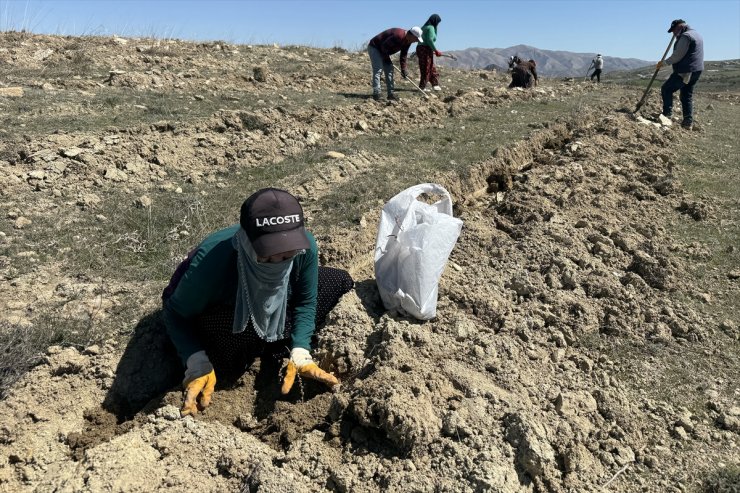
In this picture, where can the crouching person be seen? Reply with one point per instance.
(523, 74)
(246, 286)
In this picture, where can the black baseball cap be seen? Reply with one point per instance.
(273, 221)
(676, 23)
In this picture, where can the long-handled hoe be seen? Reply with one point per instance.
(647, 90)
(587, 71)
(419, 88)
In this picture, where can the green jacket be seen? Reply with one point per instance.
(211, 280)
(429, 36)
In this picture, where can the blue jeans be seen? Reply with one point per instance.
(379, 65)
(673, 84)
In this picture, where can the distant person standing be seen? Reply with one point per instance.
(426, 50)
(598, 64)
(380, 49)
(688, 63)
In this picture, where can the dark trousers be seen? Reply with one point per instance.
(521, 77)
(427, 68)
(231, 353)
(673, 84)
(597, 74)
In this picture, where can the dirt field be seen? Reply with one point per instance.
(586, 337)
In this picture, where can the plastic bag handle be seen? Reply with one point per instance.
(444, 205)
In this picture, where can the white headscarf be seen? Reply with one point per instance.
(262, 293)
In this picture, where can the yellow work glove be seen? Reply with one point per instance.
(199, 383)
(658, 65)
(302, 364)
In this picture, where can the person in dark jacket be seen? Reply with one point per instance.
(380, 49)
(252, 287)
(426, 50)
(598, 64)
(523, 74)
(688, 63)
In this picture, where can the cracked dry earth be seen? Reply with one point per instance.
(565, 275)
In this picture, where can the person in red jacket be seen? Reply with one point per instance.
(380, 49)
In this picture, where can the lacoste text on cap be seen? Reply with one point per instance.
(273, 221)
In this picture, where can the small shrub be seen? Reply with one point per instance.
(23, 347)
(111, 101)
(252, 121)
(80, 63)
(20, 350)
(159, 51)
(161, 106)
(725, 480)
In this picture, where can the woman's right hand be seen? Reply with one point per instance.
(303, 365)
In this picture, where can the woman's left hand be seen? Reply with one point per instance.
(302, 364)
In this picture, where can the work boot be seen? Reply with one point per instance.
(392, 96)
(376, 96)
(687, 125)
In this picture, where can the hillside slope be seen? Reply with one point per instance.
(586, 337)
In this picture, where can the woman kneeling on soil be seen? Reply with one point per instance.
(247, 290)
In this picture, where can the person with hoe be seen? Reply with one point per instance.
(426, 50)
(247, 290)
(688, 63)
(380, 49)
(597, 63)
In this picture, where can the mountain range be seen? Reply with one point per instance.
(549, 63)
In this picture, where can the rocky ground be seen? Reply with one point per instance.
(573, 349)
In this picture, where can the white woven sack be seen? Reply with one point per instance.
(414, 241)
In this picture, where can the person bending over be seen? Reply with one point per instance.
(380, 49)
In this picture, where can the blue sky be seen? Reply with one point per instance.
(626, 28)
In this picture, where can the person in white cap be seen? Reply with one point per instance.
(252, 289)
(380, 49)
